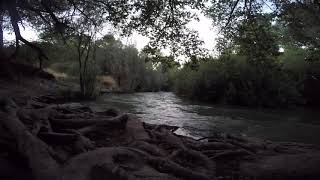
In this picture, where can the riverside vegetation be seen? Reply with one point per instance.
(245, 73)
(272, 81)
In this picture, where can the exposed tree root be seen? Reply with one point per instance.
(70, 141)
(37, 152)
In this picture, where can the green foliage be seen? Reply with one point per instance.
(294, 60)
(155, 56)
(250, 70)
(234, 80)
(257, 29)
(185, 82)
(110, 57)
(154, 79)
(299, 27)
(161, 21)
(69, 68)
(302, 22)
(257, 39)
(128, 67)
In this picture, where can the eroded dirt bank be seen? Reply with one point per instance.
(45, 137)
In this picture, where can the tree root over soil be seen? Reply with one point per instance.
(46, 141)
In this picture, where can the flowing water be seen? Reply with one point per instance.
(200, 119)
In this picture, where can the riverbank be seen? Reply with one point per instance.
(58, 139)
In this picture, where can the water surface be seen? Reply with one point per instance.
(200, 119)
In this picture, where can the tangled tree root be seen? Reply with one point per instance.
(70, 141)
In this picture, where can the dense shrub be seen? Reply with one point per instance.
(235, 80)
(129, 67)
(154, 79)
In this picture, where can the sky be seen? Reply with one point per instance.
(204, 26)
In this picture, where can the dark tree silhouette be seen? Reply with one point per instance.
(159, 20)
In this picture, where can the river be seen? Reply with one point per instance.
(201, 119)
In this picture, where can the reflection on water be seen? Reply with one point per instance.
(198, 119)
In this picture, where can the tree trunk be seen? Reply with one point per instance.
(40, 62)
(81, 84)
(1, 29)
(119, 80)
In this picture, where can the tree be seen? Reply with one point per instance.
(242, 23)
(1, 27)
(228, 14)
(257, 38)
(301, 20)
(159, 20)
(155, 56)
(84, 45)
(85, 37)
(132, 70)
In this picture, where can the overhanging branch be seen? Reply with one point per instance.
(231, 13)
(14, 18)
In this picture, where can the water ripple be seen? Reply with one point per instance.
(199, 119)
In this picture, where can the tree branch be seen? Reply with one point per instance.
(231, 13)
(14, 17)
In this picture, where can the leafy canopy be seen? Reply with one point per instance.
(163, 21)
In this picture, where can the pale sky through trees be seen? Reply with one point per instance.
(207, 33)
